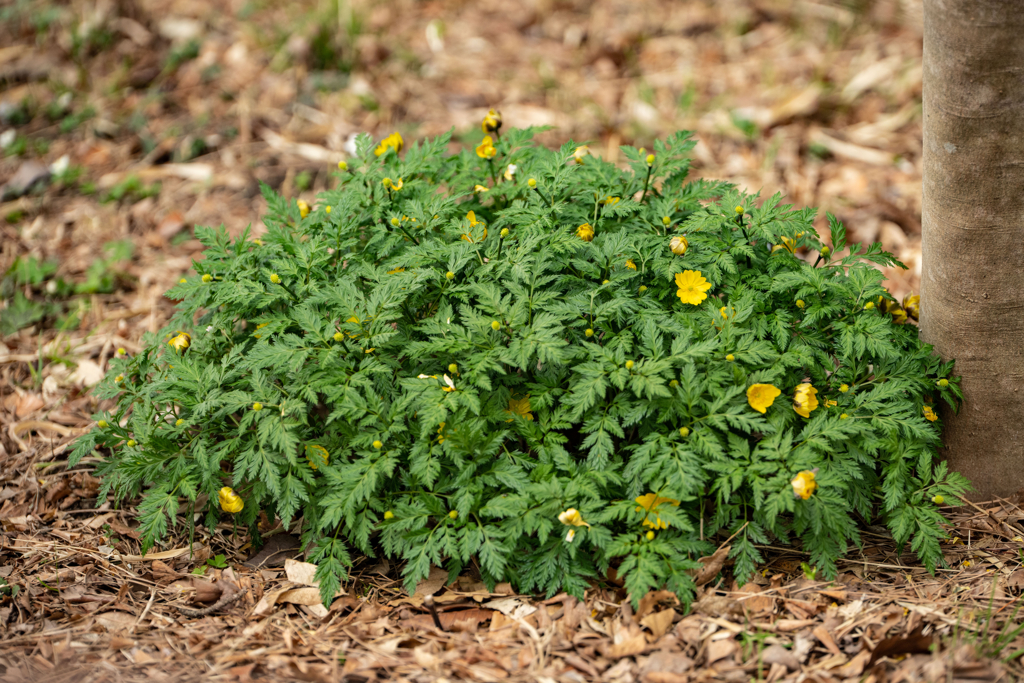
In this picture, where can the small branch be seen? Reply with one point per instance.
(226, 598)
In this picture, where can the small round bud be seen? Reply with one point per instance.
(102, 424)
(843, 388)
(684, 432)
(377, 444)
(257, 406)
(389, 515)
(119, 379)
(182, 281)
(943, 382)
(674, 383)
(454, 514)
(131, 443)
(650, 159)
(450, 275)
(275, 278)
(395, 222)
(495, 325)
(938, 500)
(650, 535)
(843, 416)
(342, 166)
(730, 358)
(532, 182)
(338, 336)
(604, 282)
(179, 422)
(258, 243)
(386, 182)
(327, 209)
(665, 220)
(800, 303)
(504, 232)
(643, 288)
(121, 351)
(739, 209)
(869, 305)
(207, 278)
(589, 332)
(629, 365)
(453, 368)
(825, 251)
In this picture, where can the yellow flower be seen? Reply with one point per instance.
(389, 515)
(119, 379)
(181, 342)
(830, 403)
(491, 122)
(572, 518)
(630, 264)
(643, 288)
(179, 422)
(230, 501)
(762, 396)
(665, 220)
(481, 188)
(678, 245)
(649, 503)
(486, 150)
(788, 243)
(303, 208)
(730, 358)
(899, 316)
(725, 311)
(275, 278)
(800, 303)
(805, 400)
(449, 382)
(580, 153)
(257, 407)
(102, 424)
(683, 431)
(803, 484)
(843, 388)
(938, 500)
(692, 287)
(342, 166)
(589, 332)
(377, 444)
(609, 200)
(315, 455)
(510, 172)
(393, 141)
(585, 232)
(182, 281)
(843, 416)
(207, 278)
(869, 305)
(929, 414)
(520, 407)
(396, 270)
(912, 305)
(473, 222)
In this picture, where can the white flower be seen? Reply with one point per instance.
(510, 172)
(571, 535)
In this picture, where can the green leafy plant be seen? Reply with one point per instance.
(538, 363)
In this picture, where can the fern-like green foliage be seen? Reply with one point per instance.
(454, 376)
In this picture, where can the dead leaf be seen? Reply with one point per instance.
(651, 600)
(659, 622)
(776, 654)
(300, 572)
(511, 607)
(453, 620)
(911, 644)
(720, 649)
(87, 374)
(712, 566)
(628, 647)
(115, 620)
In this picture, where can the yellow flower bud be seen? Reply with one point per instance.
(377, 444)
(678, 245)
(102, 424)
(338, 336)
(683, 431)
(131, 443)
(389, 515)
(179, 422)
(454, 514)
(504, 232)
(342, 166)
(730, 358)
(230, 501)
(629, 365)
(589, 332)
(800, 303)
(650, 535)
(119, 379)
(674, 383)
(739, 209)
(327, 209)
(604, 282)
(825, 251)
(303, 208)
(943, 383)
(665, 220)
(532, 182)
(650, 159)
(450, 275)
(643, 288)
(395, 222)
(869, 305)
(207, 278)
(843, 388)
(182, 281)
(843, 416)
(275, 278)
(257, 406)
(495, 325)
(938, 500)
(121, 351)
(453, 368)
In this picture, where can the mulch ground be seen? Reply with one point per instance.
(123, 125)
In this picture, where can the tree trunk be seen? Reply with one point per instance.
(972, 282)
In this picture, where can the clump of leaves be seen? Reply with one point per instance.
(538, 363)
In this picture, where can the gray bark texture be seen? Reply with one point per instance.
(972, 282)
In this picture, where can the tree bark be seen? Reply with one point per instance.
(972, 283)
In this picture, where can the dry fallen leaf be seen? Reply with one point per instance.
(659, 623)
